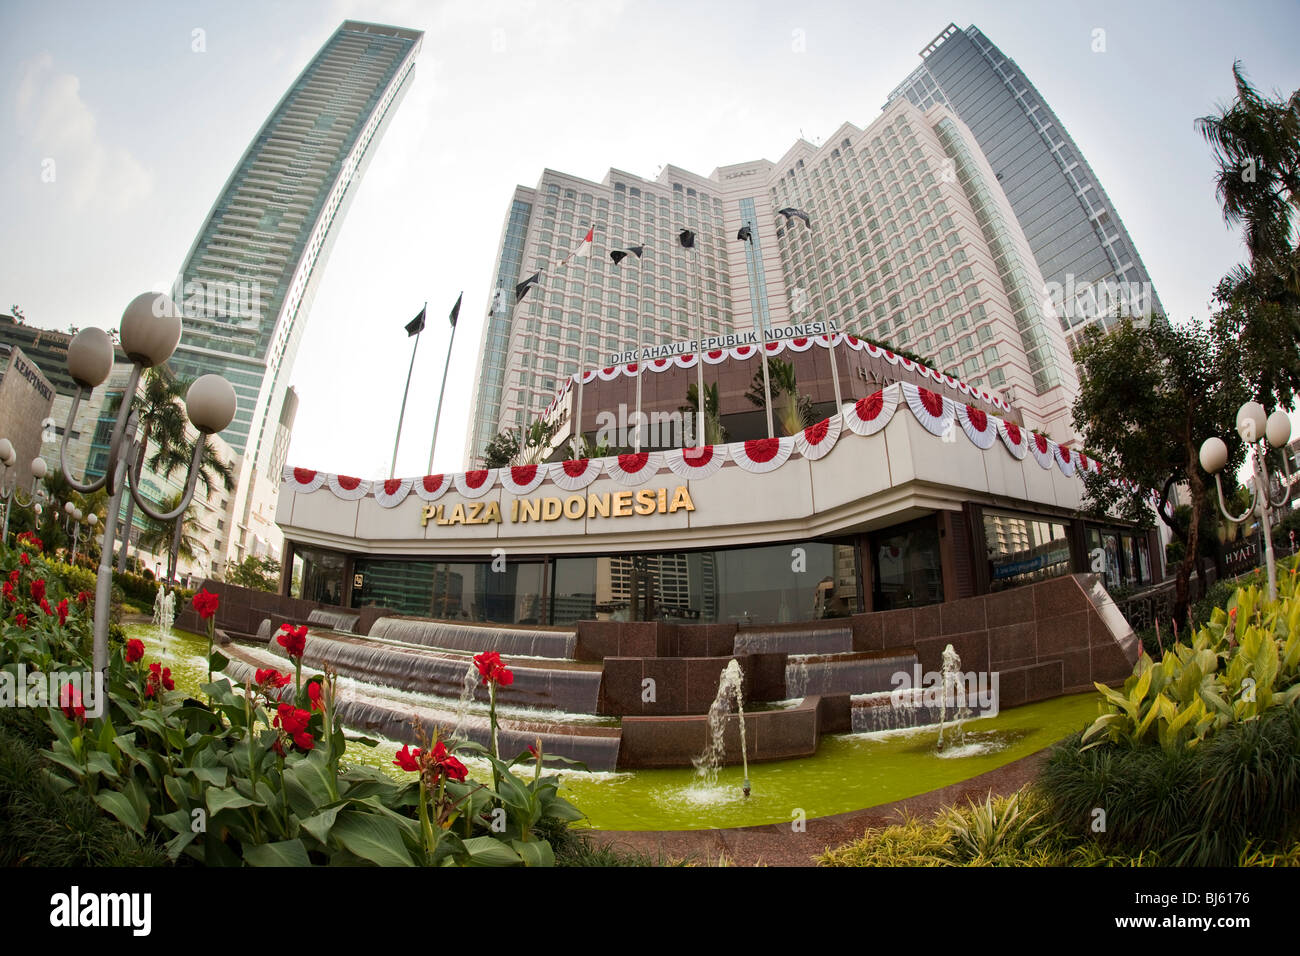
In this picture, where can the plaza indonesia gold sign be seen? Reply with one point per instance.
(616, 504)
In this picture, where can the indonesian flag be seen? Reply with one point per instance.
(584, 247)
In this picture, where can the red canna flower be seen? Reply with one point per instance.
(445, 763)
(314, 695)
(160, 678)
(62, 608)
(70, 702)
(205, 603)
(9, 592)
(304, 741)
(134, 650)
(293, 639)
(83, 598)
(13, 577)
(38, 590)
(25, 559)
(290, 719)
(270, 678)
(21, 621)
(408, 759)
(45, 606)
(492, 670)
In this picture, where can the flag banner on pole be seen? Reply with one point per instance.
(455, 309)
(584, 247)
(746, 234)
(618, 255)
(416, 325)
(521, 290)
(790, 211)
(687, 239)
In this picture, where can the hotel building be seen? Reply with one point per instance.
(1085, 254)
(247, 284)
(912, 243)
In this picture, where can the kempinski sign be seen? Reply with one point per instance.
(729, 341)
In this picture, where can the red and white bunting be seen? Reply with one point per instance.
(304, 479)
(774, 348)
(634, 469)
(475, 484)
(715, 356)
(1014, 437)
(696, 462)
(522, 479)
(978, 426)
(587, 377)
(1064, 460)
(1040, 447)
(742, 352)
(575, 474)
(870, 414)
(799, 345)
(347, 487)
(761, 455)
(609, 374)
(688, 360)
(391, 492)
(932, 410)
(431, 487)
(659, 364)
(817, 440)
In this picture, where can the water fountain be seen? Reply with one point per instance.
(730, 687)
(164, 613)
(952, 690)
(468, 687)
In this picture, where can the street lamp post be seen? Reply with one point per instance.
(10, 493)
(1254, 430)
(151, 330)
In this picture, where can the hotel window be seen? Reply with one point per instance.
(1021, 549)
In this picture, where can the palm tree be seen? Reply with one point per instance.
(714, 433)
(791, 409)
(162, 419)
(534, 441)
(175, 538)
(1257, 142)
(212, 467)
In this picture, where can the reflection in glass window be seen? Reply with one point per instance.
(906, 566)
(1022, 549)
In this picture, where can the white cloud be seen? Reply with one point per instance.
(55, 124)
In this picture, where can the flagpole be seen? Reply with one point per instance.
(437, 417)
(392, 469)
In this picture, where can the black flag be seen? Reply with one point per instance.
(455, 309)
(521, 290)
(618, 255)
(746, 234)
(416, 325)
(636, 250)
(789, 211)
(687, 239)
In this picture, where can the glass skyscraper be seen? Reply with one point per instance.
(247, 284)
(1090, 266)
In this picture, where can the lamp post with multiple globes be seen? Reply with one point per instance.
(1258, 432)
(150, 332)
(10, 493)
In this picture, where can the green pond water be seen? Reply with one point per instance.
(849, 772)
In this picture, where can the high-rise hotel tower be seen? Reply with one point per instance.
(912, 242)
(1090, 264)
(247, 284)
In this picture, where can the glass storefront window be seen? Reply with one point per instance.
(764, 585)
(322, 575)
(906, 567)
(453, 591)
(1022, 548)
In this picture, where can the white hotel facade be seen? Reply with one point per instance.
(913, 243)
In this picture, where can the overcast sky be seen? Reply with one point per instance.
(144, 130)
